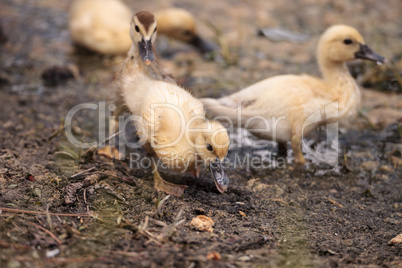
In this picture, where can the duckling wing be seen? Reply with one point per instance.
(278, 91)
(165, 109)
(285, 95)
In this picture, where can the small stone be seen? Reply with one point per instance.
(386, 168)
(52, 253)
(244, 258)
(256, 186)
(370, 165)
(14, 264)
(203, 223)
(213, 256)
(396, 240)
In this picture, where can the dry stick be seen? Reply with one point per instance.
(74, 260)
(128, 181)
(42, 213)
(96, 146)
(82, 172)
(123, 253)
(52, 214)
(334, 202)
(46, 231)
(57, 132)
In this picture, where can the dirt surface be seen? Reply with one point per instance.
(279, 216)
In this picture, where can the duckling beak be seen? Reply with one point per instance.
(146, 52)
(220, 178)
(367, 53)
(202, 45)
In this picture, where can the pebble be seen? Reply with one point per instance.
(244, 258)
(370, 165)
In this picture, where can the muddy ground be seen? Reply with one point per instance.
(279, 216)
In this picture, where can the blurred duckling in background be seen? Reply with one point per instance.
(170, 122)
(297, 97)
(103, 26)
(180, 25)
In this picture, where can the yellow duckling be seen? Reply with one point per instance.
(143, 33)
(103, 26)
(276, 108)
(170, 122)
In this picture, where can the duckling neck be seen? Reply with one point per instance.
(152, 70)
(133, 53)
(342, 87)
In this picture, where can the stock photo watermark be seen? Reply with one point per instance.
(261, 126)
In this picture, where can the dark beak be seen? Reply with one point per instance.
(220, 178)
(146, 52)
(367, 53)
(201, 45)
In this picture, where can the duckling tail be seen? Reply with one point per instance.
(222, 112)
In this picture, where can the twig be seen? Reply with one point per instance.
(12, 210)
(82, 172)
(334, 202)
(144, 226)
(158, 222)
(85, 199)
(43, 212)
(124, 179)
(4, 244)
(280, 201)
(46, 231)
(57, 132)
(49, 219)
(99, 144)
(175, 223)
(125, 253)
(74, 260)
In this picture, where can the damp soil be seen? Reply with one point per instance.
(66, 206)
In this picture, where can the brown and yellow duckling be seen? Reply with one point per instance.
(170, 122)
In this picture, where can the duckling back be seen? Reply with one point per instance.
(161, 113)
(141, 93)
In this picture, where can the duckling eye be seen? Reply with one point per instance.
(155, 29)
(137, 29)
(209, 147)
(347, 41)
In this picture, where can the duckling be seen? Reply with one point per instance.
(143, 31)
(288, 100)
(172, 126)
(103, 26)
(100, 26)
(180, 25)
(170, 122)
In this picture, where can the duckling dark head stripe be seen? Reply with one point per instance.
(145, 18)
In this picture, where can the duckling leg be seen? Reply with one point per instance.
(297, 149)
(161, 185)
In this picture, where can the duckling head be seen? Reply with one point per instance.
(341, 43)
(179, 24)
(143, 34)
(212, 145)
